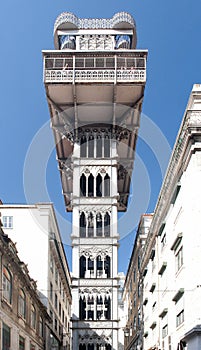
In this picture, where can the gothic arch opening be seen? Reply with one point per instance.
(106, 186)
(107, 225)
(83, 186)
(107, 266)
(99, 225)
(82, 266)
(82, 308)
(90, 225)
(82, 225)
(99, 186)
(90, 186)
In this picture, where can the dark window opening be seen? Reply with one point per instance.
(99, 225)
(107, 147)
(82, 225)
(83, 186)
(107, 309)
(91, 147)
(107, 225)
(106, 185)
(90, 225)
(82, 266)
(99, 147)
(83, 147)
(99, 186)
(90, 186)
(82, 309)
(107, 266)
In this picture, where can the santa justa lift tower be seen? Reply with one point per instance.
(94, 81)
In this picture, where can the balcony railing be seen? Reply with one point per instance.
(94, 69)
(54, 76)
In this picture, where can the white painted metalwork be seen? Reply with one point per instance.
(95, 75)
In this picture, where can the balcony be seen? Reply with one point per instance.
(112, 68)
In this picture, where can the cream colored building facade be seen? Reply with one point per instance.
(35, 230)
(24, 321)
(172, 256)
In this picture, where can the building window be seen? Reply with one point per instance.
(32, 346)
(55, 301)
(55, 324)
(165, 331)
(7, 285)
(179, 259)
(21, 343)
(107, 225)
(6, 337)
(180, 318)
(51, 291)
(7, 221)
(40, 327)
(56, 275)
(51, 264)
(33, 317)
(22, 303)
(82, 225)
(163, 241)
(134, 275)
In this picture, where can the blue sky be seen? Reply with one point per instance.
(170, 30)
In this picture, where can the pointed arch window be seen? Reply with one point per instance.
(82, 266)
(83, 186)
(82, 225)
(90, 265)
(107, 225)
(106, 185)
(99, 307)
(99, 225)
(107, 308)
(107, 266)
(82, 347)
(90, 347)
(90, 308)
(82, 308)
(99, 186)
(7, 285)
(90, 225)
(99, 266)
(90, 186)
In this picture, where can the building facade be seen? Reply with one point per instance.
(171, 255)
(35, 229)
(24, 320)
(133, 289)
(94, 81)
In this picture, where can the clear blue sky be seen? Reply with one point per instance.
(170, 30)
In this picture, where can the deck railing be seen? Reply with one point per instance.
(54, 76)
(94, 69)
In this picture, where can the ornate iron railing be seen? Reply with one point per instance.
(94, 75)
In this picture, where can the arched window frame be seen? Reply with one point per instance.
(22, 303)
(33, 317)
(7, 285)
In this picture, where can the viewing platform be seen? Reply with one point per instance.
(121, 67)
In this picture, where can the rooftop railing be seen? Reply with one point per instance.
(96, 69)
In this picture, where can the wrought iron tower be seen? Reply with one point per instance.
(95, 80)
